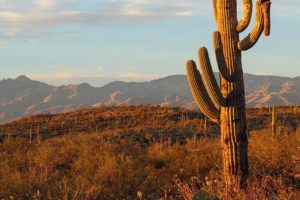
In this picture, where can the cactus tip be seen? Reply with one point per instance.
(266, 6)
(190, 64)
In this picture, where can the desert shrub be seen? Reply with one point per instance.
(273, 171)
(273, 155)
(86, 167)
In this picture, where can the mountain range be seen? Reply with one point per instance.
(22, 96)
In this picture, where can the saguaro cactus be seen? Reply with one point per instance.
(225, 104)
(273, 121)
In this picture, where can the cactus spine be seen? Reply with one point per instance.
(226, 104)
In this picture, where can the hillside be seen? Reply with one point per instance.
(22, 97)
(150, 151)
(140, 122)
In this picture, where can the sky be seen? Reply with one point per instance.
(99, 41)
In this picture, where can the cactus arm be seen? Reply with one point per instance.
(266, 6)
(215, 9)
(200, 94)
(250, 40)
(246, 18)
(210, 80)
(217, 42)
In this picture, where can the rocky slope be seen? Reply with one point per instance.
(21, 97)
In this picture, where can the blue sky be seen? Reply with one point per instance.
(98, 41)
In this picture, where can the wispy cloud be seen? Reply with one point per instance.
(28, 17)
(68, 74)
(31, 16)
(286, 8)
(134, 75)
(90, 75)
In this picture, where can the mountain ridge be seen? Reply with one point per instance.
(22, 96)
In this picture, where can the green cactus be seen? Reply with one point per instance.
(246, 18)
(217, 42)
(209, 78)
(266, 6)
(250, 40)
(225, 104)
(200, 94)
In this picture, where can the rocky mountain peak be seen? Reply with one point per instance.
(22, 96)
(22, 78)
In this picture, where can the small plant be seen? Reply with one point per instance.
(273, 127)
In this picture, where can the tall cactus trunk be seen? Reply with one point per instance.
(232, 116)
(225, 105)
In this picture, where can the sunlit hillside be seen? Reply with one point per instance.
(143, 152)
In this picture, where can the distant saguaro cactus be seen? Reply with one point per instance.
(225, 104)
(273, 121)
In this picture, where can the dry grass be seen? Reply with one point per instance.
(93, 165)
(84, 167)
(274, 171)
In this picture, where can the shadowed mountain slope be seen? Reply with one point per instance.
(21, 97)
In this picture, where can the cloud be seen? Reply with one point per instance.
(89, 74)
(94, 76)
(133, 75)
(70, 73)
(264, 74)
(289, 8)
(159, 9)
(28, 18)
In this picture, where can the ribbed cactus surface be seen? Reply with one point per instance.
(225, 104)
(200, 94)
(246, 18)
(217, 42)
(250, 40)
(210, 80)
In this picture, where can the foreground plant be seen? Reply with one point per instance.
(225, 105)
